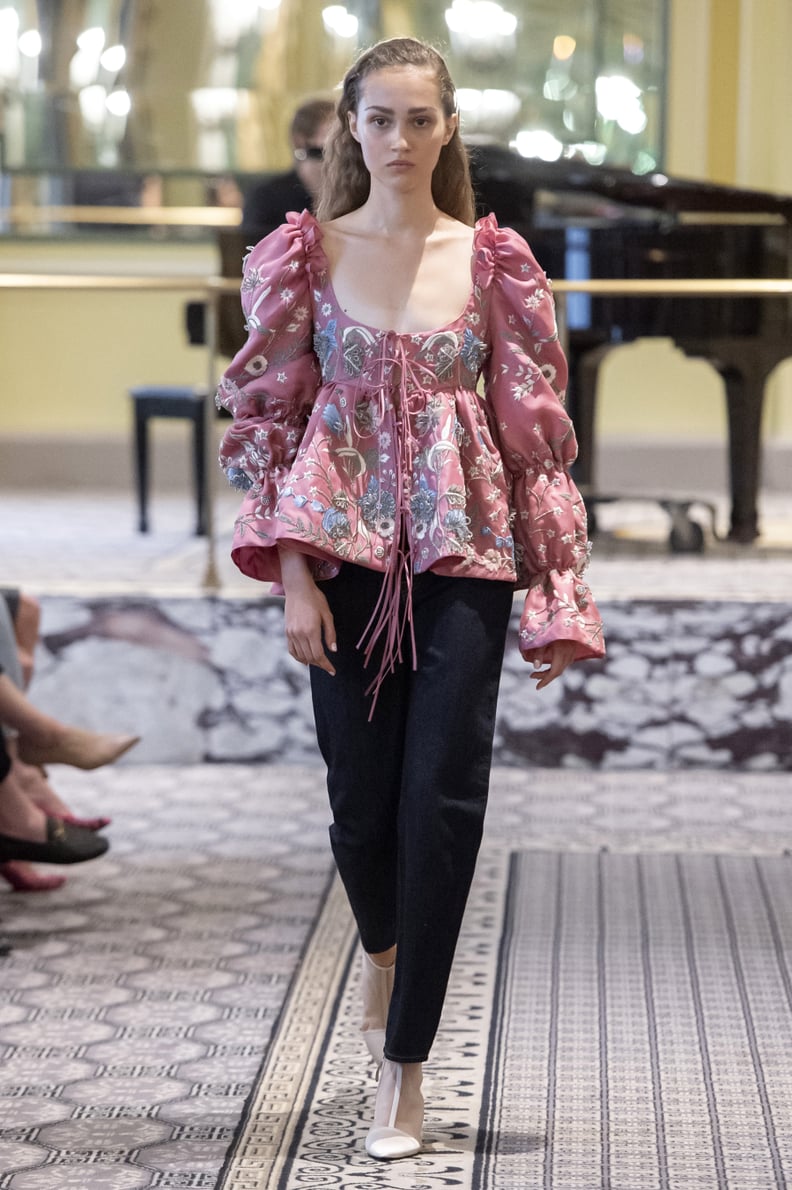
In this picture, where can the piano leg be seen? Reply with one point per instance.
(581, 406)
(744, 400)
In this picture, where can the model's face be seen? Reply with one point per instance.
(400, 125)
(308, 157)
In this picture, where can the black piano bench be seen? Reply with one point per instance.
(162, 400)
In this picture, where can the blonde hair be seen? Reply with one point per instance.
(345, 179)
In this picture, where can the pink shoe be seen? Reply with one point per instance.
(90, 824)
(24, 878)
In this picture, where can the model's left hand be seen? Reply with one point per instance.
(557, 656)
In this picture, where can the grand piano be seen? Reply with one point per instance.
(613, 224)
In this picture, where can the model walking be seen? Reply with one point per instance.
(400, 509)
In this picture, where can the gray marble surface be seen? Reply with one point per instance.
(685, 684)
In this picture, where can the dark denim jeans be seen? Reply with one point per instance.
(408, 790)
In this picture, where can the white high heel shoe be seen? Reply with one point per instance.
(398, 1112)
(376, 986)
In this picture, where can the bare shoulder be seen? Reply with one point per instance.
(337, 226)
(338, 233)
(453, 228)
(453, 234)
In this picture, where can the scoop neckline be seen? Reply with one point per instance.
(378, 331)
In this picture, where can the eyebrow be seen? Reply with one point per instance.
(388, 111)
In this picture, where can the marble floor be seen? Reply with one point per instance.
(87, 542)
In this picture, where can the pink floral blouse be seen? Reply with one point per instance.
(363, 445)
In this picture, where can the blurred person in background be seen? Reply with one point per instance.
(267, 202)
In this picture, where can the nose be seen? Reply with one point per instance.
(400, 140)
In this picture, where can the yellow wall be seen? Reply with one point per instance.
(68, 358)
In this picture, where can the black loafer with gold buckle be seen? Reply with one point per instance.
(66, 844)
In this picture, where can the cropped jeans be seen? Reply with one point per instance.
(408, 789)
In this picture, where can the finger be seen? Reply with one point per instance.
(546, 677)
(300, 646)
(295, 651)
(314, 653)
(328, 630)
(323, 662)
(559, 661)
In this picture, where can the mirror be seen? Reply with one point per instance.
(103, 99)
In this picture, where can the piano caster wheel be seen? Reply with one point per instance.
(686, 536)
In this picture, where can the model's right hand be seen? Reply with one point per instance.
(310, 629)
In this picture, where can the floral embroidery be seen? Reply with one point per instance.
(457, 522)
(324, 343)
(333, 419)
(483, 481)
(378, 508)
(238, 479)
(472, 351)
(335, 522)
(422, 507)
(257, 366)
(429, 417)
(367, 418)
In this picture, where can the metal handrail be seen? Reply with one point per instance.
(135, 216)
(209, 216)
(694, 287)
(186, 284)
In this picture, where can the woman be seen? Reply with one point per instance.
(31, 739)
(400, 510)
(28, 832)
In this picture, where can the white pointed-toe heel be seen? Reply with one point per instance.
(376, 987)
(398, 1112)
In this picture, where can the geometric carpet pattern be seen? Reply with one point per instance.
(182, 1013)
(643, 1025)
(619, 1021)
(139, 1000)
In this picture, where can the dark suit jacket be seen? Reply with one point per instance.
(266, 203)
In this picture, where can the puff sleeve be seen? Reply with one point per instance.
(269, 388)
(525, 377)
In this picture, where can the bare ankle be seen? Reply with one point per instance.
(384, 958)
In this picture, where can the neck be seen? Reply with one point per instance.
(391, 214)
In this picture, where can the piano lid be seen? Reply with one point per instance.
(502, 178)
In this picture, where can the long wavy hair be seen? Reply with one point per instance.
(345, 179)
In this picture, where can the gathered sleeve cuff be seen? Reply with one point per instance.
(526, 375)
(271, 384)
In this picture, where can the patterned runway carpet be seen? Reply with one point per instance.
(615, 1021)
(183, 1012)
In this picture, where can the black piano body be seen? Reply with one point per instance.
(614, 224)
